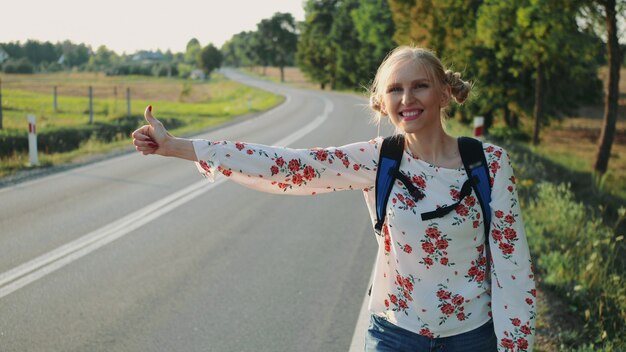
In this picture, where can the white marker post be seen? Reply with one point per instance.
(32, 140)
(479, 124)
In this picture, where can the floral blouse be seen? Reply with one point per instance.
(431, 277)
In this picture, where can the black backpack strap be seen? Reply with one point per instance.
(389, 162)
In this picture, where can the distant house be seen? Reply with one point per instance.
(148, 56)
(3, 55)
(197, 74)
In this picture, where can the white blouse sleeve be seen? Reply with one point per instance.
(290, 171)
(512, 280)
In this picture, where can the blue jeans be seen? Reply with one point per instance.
(383, 336)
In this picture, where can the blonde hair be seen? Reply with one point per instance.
(432, 65)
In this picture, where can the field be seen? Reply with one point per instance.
(194, 105)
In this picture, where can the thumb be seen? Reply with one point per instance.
(148, 116)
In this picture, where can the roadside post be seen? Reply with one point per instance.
(0, 104)
(56, 106)
(90, 105)
(32, 140)
(479, 126)
(128, 102)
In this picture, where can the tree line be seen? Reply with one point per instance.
(533, 60)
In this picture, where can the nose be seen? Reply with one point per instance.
(408, 97)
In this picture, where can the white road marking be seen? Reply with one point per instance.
(20, 276)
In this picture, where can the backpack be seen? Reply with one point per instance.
(388, 171)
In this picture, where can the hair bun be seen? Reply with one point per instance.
(375, 104)
(460, 88)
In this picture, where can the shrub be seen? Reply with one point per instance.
(21, 65)
(577, 255)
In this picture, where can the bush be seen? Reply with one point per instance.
(505, 133)
(21, 65)
(577, 255)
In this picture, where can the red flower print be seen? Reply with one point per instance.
(441, 244)
(443, 261)
(282, 185)
(274, 169)
(458, 300)
(419, 181)
(533, 292)
(499, 214)
(280, 162)
(321, 155)
(476, 224)
(249, 152)
(356, 167)
(490, 149)
(427, 333)
(482, 260)
(522, 343)
(507, 343)
(227, 172)
(345, 162)
(432, 232)
(410, 203)
(498, 153)
(460, 316)
(480, 277)
(339, 153)
(387, 303)
(402, 304)
(393, 299)
(510, 234)
(462, 210)
(428, 261)
(428, 247)
(409, 285)
(309, 172)
(510, 189)
(447, 309)
(408, 249)
(443, 294)
(506, 248)
(205, 166)
(294, 165)
(496, 234)
(455, 194)
(400, 197)
(240, 146)
(297, 179)
(494, 167)
(473, 271)
(525, 329)
(470, 201)
(529, 301)
(510, 219)
(516, 322)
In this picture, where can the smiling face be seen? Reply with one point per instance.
(412, 99)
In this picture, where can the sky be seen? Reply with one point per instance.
(132, 25)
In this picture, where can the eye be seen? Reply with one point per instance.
(394, 89)
(421, 85)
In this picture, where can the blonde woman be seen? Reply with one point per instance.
(434, 288)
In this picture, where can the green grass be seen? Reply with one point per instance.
(196, 105)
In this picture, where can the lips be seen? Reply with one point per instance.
(412, 114)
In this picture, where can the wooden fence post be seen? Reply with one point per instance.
(128, 101)
(90, 105)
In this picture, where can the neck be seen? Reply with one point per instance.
(435, 148)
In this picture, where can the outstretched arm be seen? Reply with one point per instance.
(154, 139)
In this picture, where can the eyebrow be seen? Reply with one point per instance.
(419, 80)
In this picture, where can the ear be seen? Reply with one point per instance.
(383, 109)
(446, 96)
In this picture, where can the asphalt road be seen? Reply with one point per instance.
(139, 253)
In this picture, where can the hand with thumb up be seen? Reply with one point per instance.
(154, 139)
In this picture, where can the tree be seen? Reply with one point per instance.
(315, 55)
(210, 59)
(344, 39)
(239, 50)
(611, 103)
(278, 39)
(192, 50)
(375, 28)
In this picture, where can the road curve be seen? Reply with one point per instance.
(138, 253)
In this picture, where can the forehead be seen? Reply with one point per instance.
(406, 71)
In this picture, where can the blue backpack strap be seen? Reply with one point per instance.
(477, 171)
(389, 162)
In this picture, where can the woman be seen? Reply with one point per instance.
(431, 288)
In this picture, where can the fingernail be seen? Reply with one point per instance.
(150, 108)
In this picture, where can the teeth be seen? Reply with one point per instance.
(411, 113)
